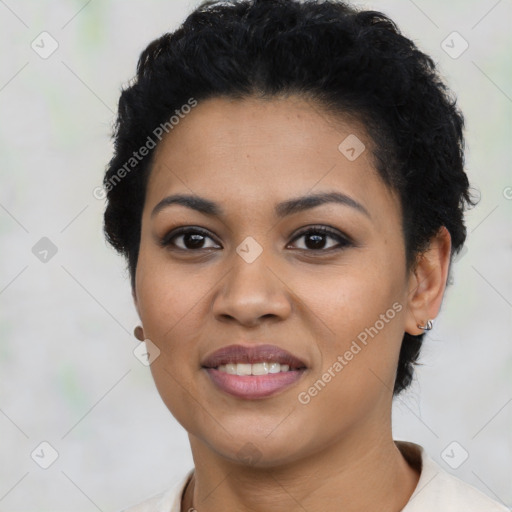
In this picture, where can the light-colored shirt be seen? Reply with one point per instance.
(436, 491)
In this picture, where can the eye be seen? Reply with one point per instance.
(194, 239)
(315, 238)
(190, 239)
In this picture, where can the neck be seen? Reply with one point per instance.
(348, 476)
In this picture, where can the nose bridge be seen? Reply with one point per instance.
(250, 290)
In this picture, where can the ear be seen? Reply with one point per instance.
(138, 332)
(427, 282)
(135, 301)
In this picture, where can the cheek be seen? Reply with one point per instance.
(172, 308)
(358, 362)
(361, 312)
(351, 299)
(168, 295)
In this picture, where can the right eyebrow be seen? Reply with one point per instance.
(197, 203)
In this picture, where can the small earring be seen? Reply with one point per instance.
(138, 332)
(428, 326)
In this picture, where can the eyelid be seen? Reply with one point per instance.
(343, 240)
(165, 241)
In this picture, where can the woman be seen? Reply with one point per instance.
(288, 190)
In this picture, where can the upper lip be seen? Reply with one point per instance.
(251, 355)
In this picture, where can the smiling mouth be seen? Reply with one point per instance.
(261, 368)
(253, 372)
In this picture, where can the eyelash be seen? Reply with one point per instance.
(343, 241)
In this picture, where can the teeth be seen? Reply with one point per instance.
(259, 369)
(243, 369)
(274, 368)
(230, 368)
(253, 369)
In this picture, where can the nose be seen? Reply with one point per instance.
(251, 292)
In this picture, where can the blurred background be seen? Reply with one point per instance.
(82, 427)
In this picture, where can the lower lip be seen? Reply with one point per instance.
(253, 386)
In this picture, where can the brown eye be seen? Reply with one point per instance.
(188, 239)
(316, 238)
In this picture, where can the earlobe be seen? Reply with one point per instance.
(427, 283)
(138, 332)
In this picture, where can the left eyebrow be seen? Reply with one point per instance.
(302, 203)
(283, 209)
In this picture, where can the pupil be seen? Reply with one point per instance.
(318, 241)
(194, 240)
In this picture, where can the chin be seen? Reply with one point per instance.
(256, 451)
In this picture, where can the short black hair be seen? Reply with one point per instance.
(350, 61)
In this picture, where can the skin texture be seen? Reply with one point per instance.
(335, 452)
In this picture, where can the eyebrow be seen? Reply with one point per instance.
(283, 209)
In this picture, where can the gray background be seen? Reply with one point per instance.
(68, 374)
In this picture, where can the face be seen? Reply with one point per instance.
(323, 279)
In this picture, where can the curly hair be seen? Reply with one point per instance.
(350, 61)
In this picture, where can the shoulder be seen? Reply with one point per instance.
(168, 501)
(439, 490)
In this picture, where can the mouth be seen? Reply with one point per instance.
(253, 372)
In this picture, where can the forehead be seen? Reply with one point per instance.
(253, 151)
